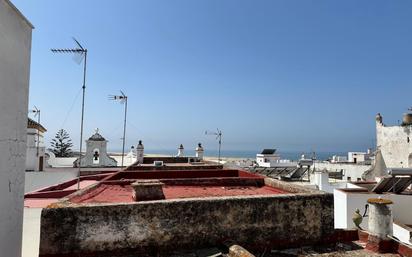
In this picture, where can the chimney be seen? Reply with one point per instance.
(180, 151)
(147, 190)
(140, 152)
(199, 151)
(380, 225)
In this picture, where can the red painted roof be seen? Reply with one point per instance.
(106, 193)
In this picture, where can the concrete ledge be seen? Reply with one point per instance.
(167, 225)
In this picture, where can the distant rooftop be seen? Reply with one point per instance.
(35, 125)
(97, 137)
(268, 151)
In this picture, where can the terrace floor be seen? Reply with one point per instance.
(123, 193)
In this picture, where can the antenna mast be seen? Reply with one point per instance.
(218, 135)
(80, 54)
(122, 99)
(36, 112)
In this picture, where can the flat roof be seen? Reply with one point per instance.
(45, 196)
(177, 184)
(109, 193)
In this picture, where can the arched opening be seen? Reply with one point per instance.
(96, 156)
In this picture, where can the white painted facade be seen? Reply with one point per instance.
(35, 154)
(339, 159)
(345, 204)
(402, 232)
(351, 171)
(273, 160)
(359, 157)
(322, 182)
(36, 180)
(394, 143)
(31, 232)
(96, 153)
(15, 48)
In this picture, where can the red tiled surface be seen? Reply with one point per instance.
(123, 193)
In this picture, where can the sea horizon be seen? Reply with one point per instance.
(290, 155)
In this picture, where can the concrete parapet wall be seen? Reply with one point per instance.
(350, 170)
(165, 225)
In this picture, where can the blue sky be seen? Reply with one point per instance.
(296, 75)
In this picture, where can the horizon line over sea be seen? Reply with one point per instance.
(290, 155)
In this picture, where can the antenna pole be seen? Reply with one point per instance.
(124, 128)
(220, 144)
(218, 135)
(82, 118)
(38, 134)
(79, 50)
(122, 99)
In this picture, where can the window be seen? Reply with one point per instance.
(349, 179)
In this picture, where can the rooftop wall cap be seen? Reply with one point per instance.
(147, 182)
(379, 201)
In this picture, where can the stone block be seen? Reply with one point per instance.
(147, 190)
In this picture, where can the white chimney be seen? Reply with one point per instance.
(140, 152)
(199, 151)
(180, 151)
(380, 217)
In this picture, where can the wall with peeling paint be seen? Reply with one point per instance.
(395, 145)
(15, 47)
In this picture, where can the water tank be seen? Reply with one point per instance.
(407, 119)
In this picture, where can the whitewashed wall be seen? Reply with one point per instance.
(345, 204)
(394, 145)
(32, 160)
(322, 182)
(36, 180)
(354, 171)
(31, 232)
(15, 47)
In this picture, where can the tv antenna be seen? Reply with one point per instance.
(218, 135)
(36, 112)
(123, 100)
(80, 53)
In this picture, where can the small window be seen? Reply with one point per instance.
(358, 179)
(407, 139)
(349, 178)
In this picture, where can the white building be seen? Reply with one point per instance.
(360, 157)
(395, 142)
(269, 158)
(339, 159)
(35, 156)
(355, 196)
(96, 153)
(349, 171)
(15, 49)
